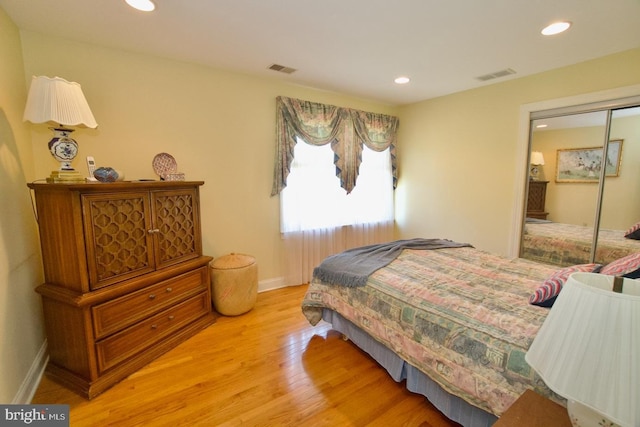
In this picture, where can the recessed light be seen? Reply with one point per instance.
(541, 126)
(143, 5)
(402, 80)
(556, 28)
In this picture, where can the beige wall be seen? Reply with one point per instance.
(458, 154)
(21, 328)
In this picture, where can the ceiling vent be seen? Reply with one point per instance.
(282, 68)
(497, 74)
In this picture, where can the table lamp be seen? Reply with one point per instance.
(588, 350)
(62, 104)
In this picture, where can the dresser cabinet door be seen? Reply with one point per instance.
(119, 237)
(134, 233)
(176, 226)
(537, 196)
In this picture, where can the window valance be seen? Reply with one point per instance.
(345, 128)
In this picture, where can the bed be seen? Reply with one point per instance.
(455, 323)
(568, 244)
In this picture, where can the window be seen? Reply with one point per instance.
(315, 165)
(313, 198)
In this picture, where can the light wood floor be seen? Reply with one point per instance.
(268, 367)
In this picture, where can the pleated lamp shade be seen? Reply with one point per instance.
(588, 348)
(537, 158)
(57, 101)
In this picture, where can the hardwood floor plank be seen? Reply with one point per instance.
(268, 367)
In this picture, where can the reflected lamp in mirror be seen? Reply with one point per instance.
(537, 160)
(62, 105)
(588, 350)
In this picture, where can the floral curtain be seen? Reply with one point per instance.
(346, 129)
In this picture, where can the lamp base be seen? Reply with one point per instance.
(63, 148)
(67, 176)
(582, 416)
(534, 173)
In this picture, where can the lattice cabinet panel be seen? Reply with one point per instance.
(120, 244)
(176, 226)
(536, 199)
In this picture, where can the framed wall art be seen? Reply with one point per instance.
(585, 164)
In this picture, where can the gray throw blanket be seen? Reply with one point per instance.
(353, 267)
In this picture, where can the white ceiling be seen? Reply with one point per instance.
(355, 47)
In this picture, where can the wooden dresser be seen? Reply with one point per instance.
(125, 278)
(536, 199)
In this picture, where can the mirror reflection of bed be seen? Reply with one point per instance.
(564, 236)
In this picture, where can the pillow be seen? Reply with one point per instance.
(633, 232)
(628, 266)
(547, 293)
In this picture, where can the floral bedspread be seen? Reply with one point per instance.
(568, 244)
(460, 315)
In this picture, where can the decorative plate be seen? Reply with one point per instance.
(164, 164)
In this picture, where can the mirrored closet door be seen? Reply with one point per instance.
(620, 204)
(584, 164)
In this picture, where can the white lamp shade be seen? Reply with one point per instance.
(55, 100)
(588, 349)
(537, 158)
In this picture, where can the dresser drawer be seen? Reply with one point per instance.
(133, 340)
(122, 312)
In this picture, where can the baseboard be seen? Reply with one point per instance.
(271, 284)
(32, 380)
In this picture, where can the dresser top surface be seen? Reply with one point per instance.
(112, 186)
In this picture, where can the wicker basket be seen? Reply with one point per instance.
(234, 284)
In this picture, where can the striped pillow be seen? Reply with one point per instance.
(633, 232)
(628, 266)
(547, 293)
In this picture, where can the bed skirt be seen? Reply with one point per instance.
(451, 406)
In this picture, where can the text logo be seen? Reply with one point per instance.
(34, 415)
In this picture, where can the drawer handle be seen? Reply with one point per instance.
(153, 231)
(154, 326)
(171, 317)
(169, 289)
(152, 296)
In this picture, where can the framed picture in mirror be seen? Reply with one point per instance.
(585, 164)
